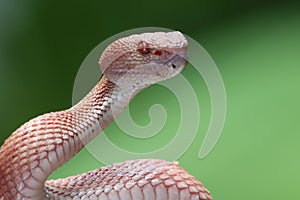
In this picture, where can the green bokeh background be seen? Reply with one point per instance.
(255, 44)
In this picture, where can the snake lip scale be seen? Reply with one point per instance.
(44, 143)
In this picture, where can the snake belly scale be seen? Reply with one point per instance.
(46, 142)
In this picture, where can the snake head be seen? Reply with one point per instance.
(144, 59)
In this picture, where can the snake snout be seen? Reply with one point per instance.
(178, 62)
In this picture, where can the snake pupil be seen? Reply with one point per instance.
(143, 47)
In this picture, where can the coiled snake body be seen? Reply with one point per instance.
(46, 142)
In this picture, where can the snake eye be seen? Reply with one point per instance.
(143, 48)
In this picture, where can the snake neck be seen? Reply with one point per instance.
(101, 106)
(46, 142)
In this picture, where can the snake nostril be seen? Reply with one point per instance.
(158, 52)
(174, 66)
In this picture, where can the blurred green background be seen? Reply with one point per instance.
(255, 44)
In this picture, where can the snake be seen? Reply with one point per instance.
(43, 144)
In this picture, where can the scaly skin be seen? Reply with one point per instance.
(46, 142)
